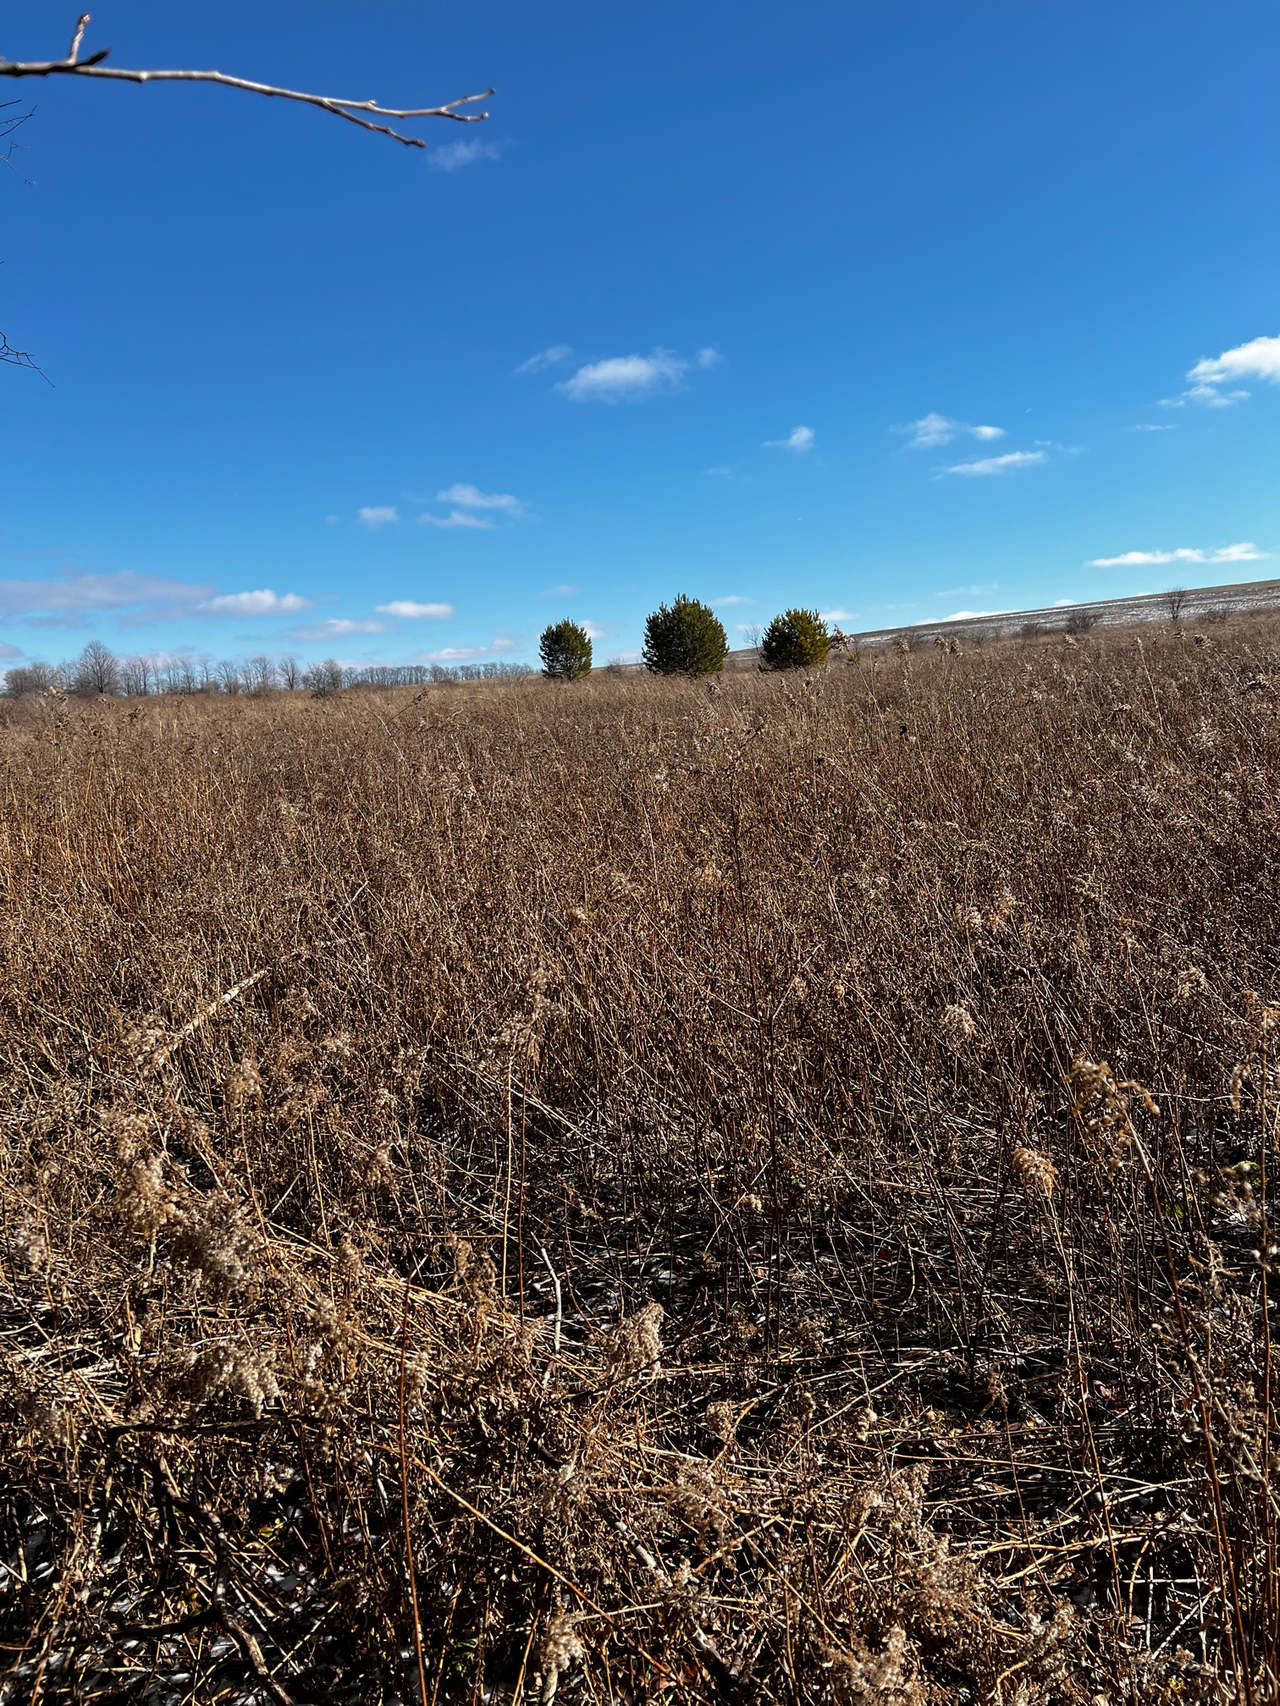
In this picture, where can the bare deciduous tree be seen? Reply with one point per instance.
(34, 677)
(259, 675)
(96, 670)
(138, 676)
(326, 677)
(1175, 602)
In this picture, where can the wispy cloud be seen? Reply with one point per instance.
(455, 518)
(595, 630)
(968, 615)
(8, 651)
(1154, 426)
(994, 465)
(410, 611)
(631, 378)
(69, 600)
(336, 628)
(378, 515)
(132, 599)
(470, 654)
(1245, 552)
(733, 598)
(719, 473)
(933, 430)
(471, 497)
(261, 603)
(450, 156)
(838, 615)
(1257, 359)
(546, 358)
(800, 440)
(559, 592)
(966, 591)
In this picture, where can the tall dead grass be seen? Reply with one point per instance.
(645, 1191)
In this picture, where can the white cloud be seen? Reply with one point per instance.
(1065, 603)
(1005, 464)
(471, 497)
(1242, 553)
(545, 358)
(411, 612)
(378, 515)
(838, 615)
(261, 603)
(559, 591)
(933, 430)
(1208, 395)
(469, 654)
(594, 630)
(720, 473)
(733, 598)
(451, 155)
(1258, 359)
(968, 615)
(625, 378)
(132, 600)
(930, 431)
(708, 358)
(800, 439)
(1154, 426)
(966, 591)
(336, 628)
(455, 518)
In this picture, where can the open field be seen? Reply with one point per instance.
(1194, 604)
(1211, 604)
(648, 1190)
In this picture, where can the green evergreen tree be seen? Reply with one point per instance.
(685, 638)
(565, 648)
(798, 639)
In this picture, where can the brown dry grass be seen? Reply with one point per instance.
(899, 1358)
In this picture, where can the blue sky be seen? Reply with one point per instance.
(894, 311)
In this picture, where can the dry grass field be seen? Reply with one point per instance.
(648, 1191)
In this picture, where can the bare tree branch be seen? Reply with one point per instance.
(16, 357)
(91, 66)
(10, 122)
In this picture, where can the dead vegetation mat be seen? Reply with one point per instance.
(647, 1191)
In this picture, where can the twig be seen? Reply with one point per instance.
(92, 66)
(159, 1053)
(555, 1280)
(404, 1495)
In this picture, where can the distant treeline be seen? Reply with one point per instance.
(98, 670)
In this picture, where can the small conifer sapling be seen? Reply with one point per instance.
(798, 639)
(684, 638)
(565, 649)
